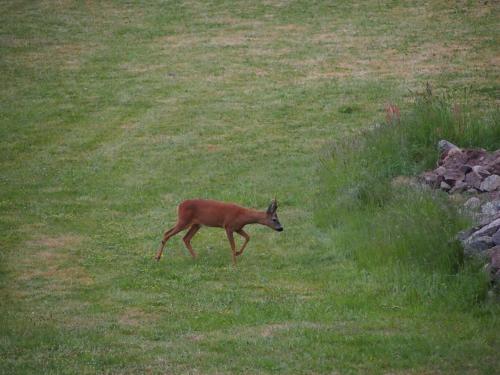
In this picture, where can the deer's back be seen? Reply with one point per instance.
(208, 212)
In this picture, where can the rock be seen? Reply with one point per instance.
(453, 159)
(458, 187)
(440, 171)
(493, 166)
(475, 246)
(491, 208)
(472, 203)
(494, 255)
(465, 168)
(490, 183)
(444, 186)
(480, 170)
(476, 156)
(487, 230)
(473, 179)
(451, 176)
(464, 234)
(496, 238)
(445, 146)
(431, 179)
(486, 219)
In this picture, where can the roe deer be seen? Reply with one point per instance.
(194, 213)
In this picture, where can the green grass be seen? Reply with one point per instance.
(111, 113)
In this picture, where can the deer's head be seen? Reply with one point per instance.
(272, 217)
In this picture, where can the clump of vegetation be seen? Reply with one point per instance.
(348, 109)
(395, 228)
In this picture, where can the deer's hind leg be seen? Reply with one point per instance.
(180, 226)
(189, 235)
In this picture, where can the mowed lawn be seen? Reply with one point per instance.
(113, 112)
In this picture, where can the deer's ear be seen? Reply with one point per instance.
(272, 207)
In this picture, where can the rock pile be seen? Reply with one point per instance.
(476, 172)
(483, 240)
(471, 170)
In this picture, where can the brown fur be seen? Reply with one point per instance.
(194, 213)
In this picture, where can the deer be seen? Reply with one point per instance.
(195, 213)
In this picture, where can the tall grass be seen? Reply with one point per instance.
(394, 228)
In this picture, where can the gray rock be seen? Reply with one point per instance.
(464, 234)
(444, 186)
(486, 219)
(472, 203)
(473, 179)
(451, 176)
(493, 265)
(440, 171)
(494, 164)
(490, 183)
(496, 238)
(494, 255)
(487, 230)
(475, 246)
(458, 187)
(491, 208)
(445, 146)
(481, 170)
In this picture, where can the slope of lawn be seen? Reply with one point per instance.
(111, 113)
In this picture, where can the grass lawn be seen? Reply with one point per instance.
(112, 113)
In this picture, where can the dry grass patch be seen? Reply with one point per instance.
(212, 148)
(57, 277)
(142, 68)
(58, 242)
(63, 56)
(353, 57)
(53, 263)
(129, 126)
(233, 40)
(136, 317)
(179, 41)
(271, 330)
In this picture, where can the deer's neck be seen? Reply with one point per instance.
(255, 217)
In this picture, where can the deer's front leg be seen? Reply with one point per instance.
(230, 237)
(244, 234)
